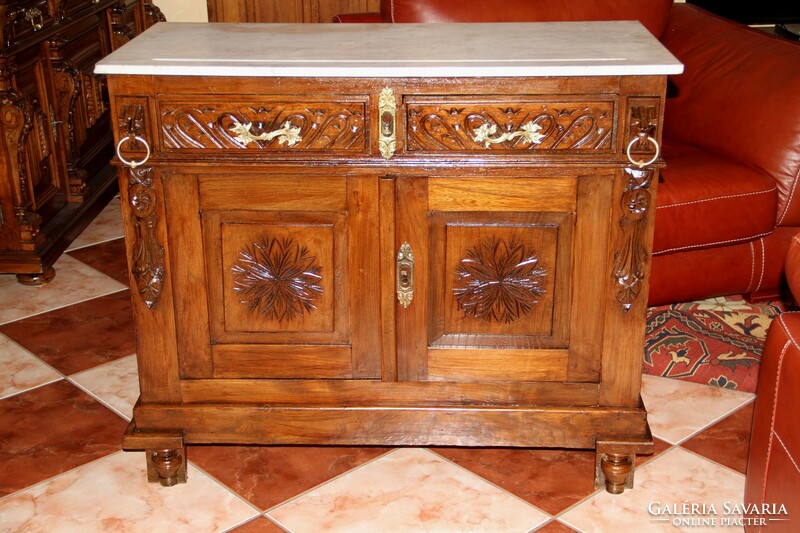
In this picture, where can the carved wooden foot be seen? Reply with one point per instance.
(615, 461)
(165, 454)
(35, 280)
(168, 467)
(616, 469)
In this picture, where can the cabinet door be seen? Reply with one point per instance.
(501, 269)
(81, 100)
(277, 277)
(42, 188)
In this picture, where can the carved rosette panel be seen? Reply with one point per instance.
(563, 126)
(325, 126)
(148, 254)
(499, 280)
(277, 278)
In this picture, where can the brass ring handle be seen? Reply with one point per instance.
(287, 134)
(642, 164)
(31, 15)
(529, 132)
(133, 164)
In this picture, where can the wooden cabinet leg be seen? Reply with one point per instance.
(616, 469)
(165, 453)
(615, 461)
(167, 467)
(34, 280)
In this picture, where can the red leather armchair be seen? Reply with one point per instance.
(773, 466)
(727, 202)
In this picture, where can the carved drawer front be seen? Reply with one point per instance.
(509, 126)
(71, 7)
(25, 18)
(280, 125)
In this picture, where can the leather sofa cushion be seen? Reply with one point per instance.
(706, 200)
(749, 267)
(651, 13)
(739, 97)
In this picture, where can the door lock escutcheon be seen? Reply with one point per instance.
(405, 275)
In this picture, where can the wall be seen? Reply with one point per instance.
(183, 10)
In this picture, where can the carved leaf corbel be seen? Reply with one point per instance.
(629, 261)
(148, 255)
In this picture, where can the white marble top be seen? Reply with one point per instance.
(394, 50)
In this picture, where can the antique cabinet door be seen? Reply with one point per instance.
(495, 269)
(277, 277)
(81, 106)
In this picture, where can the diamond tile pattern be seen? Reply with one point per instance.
(68, 383)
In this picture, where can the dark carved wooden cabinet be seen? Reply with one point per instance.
(56, 140)
(386, 260)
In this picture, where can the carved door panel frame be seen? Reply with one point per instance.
(493, 267)
(282, 286)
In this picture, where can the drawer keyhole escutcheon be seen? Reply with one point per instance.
(405, 275)
(387, 132)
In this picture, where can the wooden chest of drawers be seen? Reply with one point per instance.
(433, 254)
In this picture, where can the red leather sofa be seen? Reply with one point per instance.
(727, 202)
(773, 466)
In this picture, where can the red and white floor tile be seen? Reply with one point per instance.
(68, 383)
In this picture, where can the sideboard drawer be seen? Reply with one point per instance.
(23, 18)
(506, 125)
(275, 124)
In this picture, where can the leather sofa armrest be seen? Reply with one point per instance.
(358, 17)
(739, 98)
(773, 475)
(793, 267)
